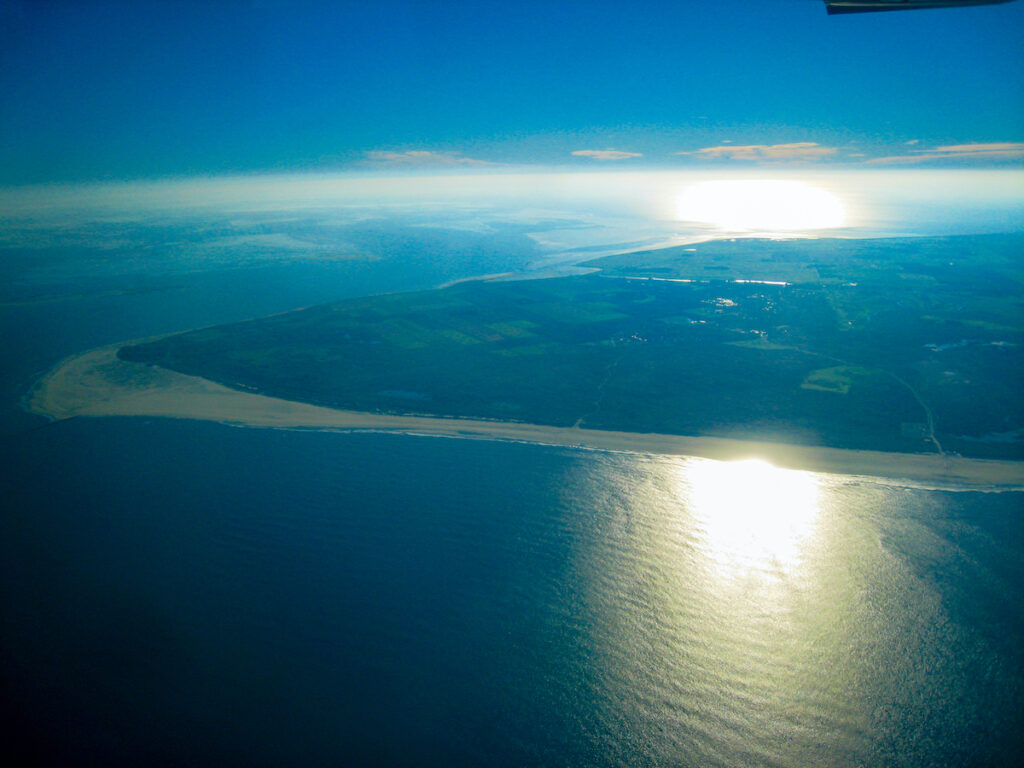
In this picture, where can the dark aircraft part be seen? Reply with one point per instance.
(867, 6)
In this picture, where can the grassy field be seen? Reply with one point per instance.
(877, 344)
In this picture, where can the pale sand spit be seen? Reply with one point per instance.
(96, 383)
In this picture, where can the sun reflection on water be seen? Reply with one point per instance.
(761, 205)
(753, 517)
(740, 609)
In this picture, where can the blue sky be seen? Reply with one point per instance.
(124, 90)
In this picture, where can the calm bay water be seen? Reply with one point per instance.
(180, 592)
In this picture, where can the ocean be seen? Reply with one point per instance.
(182, 592)
(177, 592)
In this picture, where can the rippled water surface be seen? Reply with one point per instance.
(203, 592)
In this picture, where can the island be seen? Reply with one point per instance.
(909, 346)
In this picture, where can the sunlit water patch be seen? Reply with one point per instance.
(747, 615)
(750, 515)
(760, 205)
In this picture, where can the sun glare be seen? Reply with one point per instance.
(753, 516)
(760, 206)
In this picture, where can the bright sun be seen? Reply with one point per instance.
(760, 206)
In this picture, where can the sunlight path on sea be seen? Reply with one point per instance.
(747, 615)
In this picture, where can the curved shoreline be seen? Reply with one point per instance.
(96, 383)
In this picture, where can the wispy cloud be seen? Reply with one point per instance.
(1000, 148)
(980, 152)
(606, 154)
(420, 157)
(795, 152)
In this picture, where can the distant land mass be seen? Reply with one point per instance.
(904, 344)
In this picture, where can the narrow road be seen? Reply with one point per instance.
(929, 419)
(600, 392)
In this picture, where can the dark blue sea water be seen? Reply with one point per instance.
(178, 592)
(191, 593)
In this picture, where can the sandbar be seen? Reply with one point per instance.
(96, 383)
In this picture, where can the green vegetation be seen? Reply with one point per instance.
(838, 378)
(849, 343)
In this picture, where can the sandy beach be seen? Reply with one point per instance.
(96, 383)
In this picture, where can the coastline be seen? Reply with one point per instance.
(96, 384)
